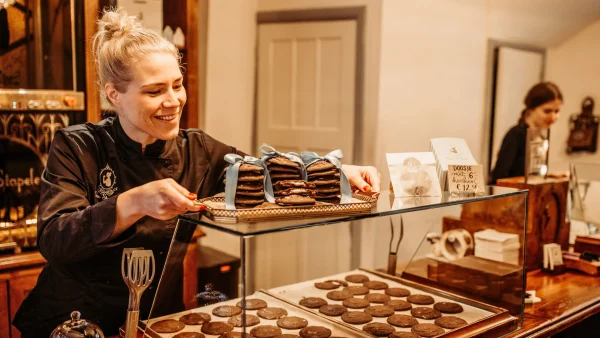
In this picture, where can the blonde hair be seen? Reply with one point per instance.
(121, 40)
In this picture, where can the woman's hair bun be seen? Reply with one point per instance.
(116, 23)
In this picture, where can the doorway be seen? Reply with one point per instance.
(512, 70)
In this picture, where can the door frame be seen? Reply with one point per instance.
(493, 46)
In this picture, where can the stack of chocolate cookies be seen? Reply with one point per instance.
(294, 192)
(326, 177)
(250, 187)
(281, 168)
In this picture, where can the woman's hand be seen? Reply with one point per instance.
(162, 199)
(363, 178)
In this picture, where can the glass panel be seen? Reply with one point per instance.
(433, 248)
(386, 205)
(585, 195)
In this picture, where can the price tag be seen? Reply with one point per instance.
(465, 179)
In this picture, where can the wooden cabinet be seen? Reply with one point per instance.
(18, 275)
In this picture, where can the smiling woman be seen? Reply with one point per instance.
(120, 183)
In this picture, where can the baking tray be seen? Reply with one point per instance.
(215, 210)
(483, 319)
(313, 319)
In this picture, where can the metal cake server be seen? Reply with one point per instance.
(137, 269)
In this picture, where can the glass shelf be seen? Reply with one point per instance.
(387, 205)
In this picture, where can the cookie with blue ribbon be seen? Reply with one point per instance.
(326, 172)
(247, 182)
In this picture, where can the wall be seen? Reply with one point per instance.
(230, 86)
(575, 67)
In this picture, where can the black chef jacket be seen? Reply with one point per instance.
(88, 166)
(511, 157)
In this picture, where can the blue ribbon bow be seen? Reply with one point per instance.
(334, 158)
(269, 152)
(232, 177)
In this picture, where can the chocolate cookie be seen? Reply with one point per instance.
(377, 298)
(296, 191)
(425, 313)
(356, 317)
(325, 181)
(427, 330)
(295, 200)
(339, 295)
(249, 167)
(327, 198)
(280, 168)
(397, 292)
(375, 285)
(357, 290)
(357, 278)
(402, 320)
(253, 304)
(282, 161)
(281, 185)
(420, 299)
(450, 322)
(379, 329)
(313, 302)
(335, 200)
(321, 165)
(226, 311)
(327, 191)
(248, 186)
(195, 318)
(287, 336)
(243, 194)
(326, 285)
(251, 178)
(448, 307)
(404, 335)
(265, 331)
(329, 174)
(236, 320)
(271, 313)
(292, 323)
(380, 310)
(315, 332)
(337, 281)
(332, 310)
(189, 335)
(398, 304)
(216, 328)
(356, 303)
(167, 326)
(249, 201)
(286, 176)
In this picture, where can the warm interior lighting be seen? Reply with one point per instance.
(6, 3)
(225, 268)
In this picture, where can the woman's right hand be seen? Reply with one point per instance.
(163, 199)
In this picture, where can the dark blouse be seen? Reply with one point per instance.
(88, 166)
(511, 157)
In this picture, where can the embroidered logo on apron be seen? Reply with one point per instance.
(107, 184)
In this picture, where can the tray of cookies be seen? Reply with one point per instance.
(369, 301)
(266, 316)
(292, 207)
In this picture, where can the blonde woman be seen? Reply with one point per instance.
(120, 183)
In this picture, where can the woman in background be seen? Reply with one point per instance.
(542, 107)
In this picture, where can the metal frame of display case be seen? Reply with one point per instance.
(502, 322)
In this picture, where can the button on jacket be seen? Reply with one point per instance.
(88, 166)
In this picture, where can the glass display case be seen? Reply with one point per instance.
(434, 266)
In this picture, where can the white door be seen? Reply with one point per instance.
(518, 70)
(305, 102)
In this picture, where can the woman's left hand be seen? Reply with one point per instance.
(363, 178)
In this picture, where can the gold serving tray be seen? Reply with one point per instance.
(215, 210)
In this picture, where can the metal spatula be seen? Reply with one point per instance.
(137, 269)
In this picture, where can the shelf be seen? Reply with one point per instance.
(387, 205)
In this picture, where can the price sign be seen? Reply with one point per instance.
(465, 179)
